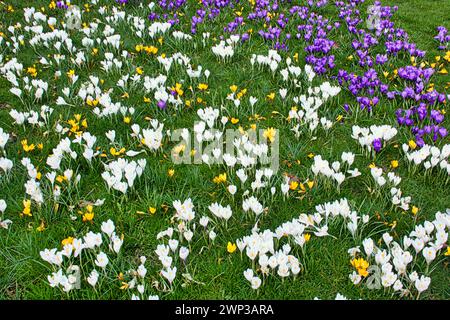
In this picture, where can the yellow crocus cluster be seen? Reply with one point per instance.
(91, 102)
(27, 208)
(77, 124)
(178, 89)
(293, 185)
(447, 56)
(32, 71)
(148, 49)
(361, 266)
(202, 86)
(239, 94)
(270, 134)
(115, 152)
(27, 147)
(60, 178)
(68, 240)
(221, 178)
(88, 215)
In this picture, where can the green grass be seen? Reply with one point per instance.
(23, 275)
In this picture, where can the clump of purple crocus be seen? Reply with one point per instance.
(61, 5)
(443, 38)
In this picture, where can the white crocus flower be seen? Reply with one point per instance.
(93, 278)
(101, 260)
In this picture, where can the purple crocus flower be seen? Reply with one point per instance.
(377, 145)
(161, 104)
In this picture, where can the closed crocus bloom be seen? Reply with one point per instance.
(387, 238)
(285, 188)
(116, 243)
(248, 274)
(173, 244)
(418, 244)
(241, 245)
(4, 137)
(283, 270)
(273, 262)
(300, 239)
(111, 135)
(386, 268)
(141, 288)
(78, 246)
(282, 258)
(407, 242)
(352, 226)
(441, 239)
(256, 282)
(251, 253)
(286, 249)
(188, 235)
(381, 181)
(429, 227)
(2, 206)
(141, 270)
(429, 254)
(339, 177)
(204, 221)
(295, 268)
(232, 189)
(183, 253)
(263, 260)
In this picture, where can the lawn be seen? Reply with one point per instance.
(94, 86)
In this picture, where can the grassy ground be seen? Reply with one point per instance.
(23, 273)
